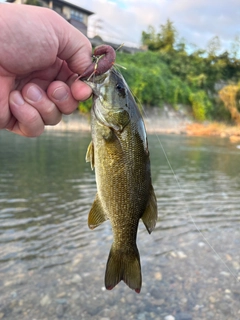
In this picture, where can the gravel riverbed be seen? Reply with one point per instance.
(183, 281)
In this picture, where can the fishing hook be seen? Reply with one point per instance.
(103, 58)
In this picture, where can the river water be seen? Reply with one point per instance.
(52, 266)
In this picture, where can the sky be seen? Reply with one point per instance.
(197, 21)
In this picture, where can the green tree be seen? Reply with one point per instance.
(235, 48)
(213, 46)
(200, 105)
(230, 97)
(163, 41)
(168, 36)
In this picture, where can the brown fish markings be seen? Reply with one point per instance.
(119, 153)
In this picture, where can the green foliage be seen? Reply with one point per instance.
(200, 105)
(214, 45)
(151, 81)
(168, 73)
(85, 106)
(163, 41)
(194, 77)
(230, 97)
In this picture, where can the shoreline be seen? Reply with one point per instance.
(214, 129)
(154, 124)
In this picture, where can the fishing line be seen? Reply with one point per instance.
(184, 199)
(186, 206)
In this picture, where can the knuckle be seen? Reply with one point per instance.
(49, 109)
(32, 117)
(68, 108)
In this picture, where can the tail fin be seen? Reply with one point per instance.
(123, 265)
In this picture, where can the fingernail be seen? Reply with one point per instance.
(17, 99)
(60, 94)
(34, 94)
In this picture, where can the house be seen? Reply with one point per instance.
(74, 14)
(97, 41)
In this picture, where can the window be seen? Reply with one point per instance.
(76, 15)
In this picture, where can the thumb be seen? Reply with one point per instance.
(74, 47)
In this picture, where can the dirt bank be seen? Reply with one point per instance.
(166, 121)
(214, 129)
(157, 120)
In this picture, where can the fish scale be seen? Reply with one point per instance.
(119, 153)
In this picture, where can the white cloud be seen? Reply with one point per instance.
(196, 21)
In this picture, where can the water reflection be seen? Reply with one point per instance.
(52, 265)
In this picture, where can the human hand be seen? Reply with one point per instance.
(41, 55)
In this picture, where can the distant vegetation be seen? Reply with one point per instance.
(169, 73)
(207, 81)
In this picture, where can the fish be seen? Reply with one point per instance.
(120, 156)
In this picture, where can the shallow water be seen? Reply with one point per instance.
(52, 266)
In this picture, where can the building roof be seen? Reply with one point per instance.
(66, 3)
(73, 6)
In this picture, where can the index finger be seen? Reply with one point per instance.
(74, 47)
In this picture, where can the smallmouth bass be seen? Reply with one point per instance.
(119, 153)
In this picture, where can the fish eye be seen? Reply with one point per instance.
(119, 87)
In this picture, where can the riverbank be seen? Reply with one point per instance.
(214, 129)
(157, 120)
(165, 122)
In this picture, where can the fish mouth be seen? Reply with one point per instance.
(101, 109)
(96, 86)
(97, 82)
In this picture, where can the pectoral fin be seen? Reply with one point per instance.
(149, 217)
(90, 154)
(96, 215)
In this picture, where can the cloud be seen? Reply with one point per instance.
(197, 21)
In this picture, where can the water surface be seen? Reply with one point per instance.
(52, 266)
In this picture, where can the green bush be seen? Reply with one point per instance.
(151, 80)
(156, 78)
(85, 106)
(201, 105)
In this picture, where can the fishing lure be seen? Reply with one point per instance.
(103, 59)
